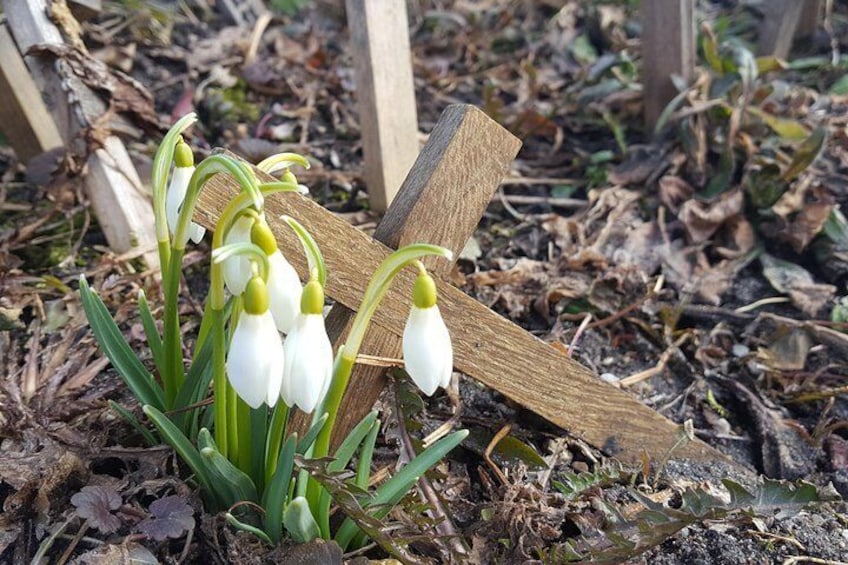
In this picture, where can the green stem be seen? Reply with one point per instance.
(173, 374)
(245, 443)
(219, 380)
(161, 167)
(276, 432)
(232, 423)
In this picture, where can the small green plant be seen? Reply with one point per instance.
(239, 449)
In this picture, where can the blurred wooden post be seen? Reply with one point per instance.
(449, 186)
(118, 198)
(385, 93)
(668, 48)
(777, 31)
(24, 118)
(809, 22)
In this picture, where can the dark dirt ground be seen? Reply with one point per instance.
(597, 218)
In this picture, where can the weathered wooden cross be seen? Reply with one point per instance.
(441, 202)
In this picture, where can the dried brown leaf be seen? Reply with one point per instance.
(702, 219)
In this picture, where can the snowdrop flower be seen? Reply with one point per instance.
(284, 287)
(256, 359)
(237, 269)
(309, 353)
(183, 169)
(427, 349)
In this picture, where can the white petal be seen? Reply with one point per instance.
(284, 291)
(427, 349)
(309, 356)
(256, 360)
(196, 232)
(176, 194)
(237, 269)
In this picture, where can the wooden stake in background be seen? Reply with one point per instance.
(385, 94)
(668, 48)
(487, 347)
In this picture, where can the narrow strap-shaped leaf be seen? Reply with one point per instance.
(194, 389)
(154, 340)
(117, 350)
(276, 493)
(133, 421)
(247, 528)
(366, 454)
(259, 429)
(222, 472)
(311, 434)
(389, 493)
(342, 457)
(174, 437)
(299, 522)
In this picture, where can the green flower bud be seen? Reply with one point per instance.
(424, 293)
(255, 296)
(312, 299)
(261, 235)
(183, 157)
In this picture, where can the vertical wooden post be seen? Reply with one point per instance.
(385, 94)
(778, 28)
(117, 196)
(668, 48)
(809, 18)
(23, 116)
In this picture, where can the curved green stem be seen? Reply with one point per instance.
(279, 161)
(314, 257)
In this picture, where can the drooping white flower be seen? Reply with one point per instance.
(177, 188)
(427, 348)
(256, 358)
(309, 354)
(284, 288)
(237, 269)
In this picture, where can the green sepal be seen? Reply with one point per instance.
(117, 350)
(299, 522)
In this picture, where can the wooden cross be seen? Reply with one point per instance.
(441, 202)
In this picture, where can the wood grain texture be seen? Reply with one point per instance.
(385, 94)
(487, 347)
(668, 48)
(777, 31)
(113, 186)
(451, 169)
(23, 116)
(809, 21)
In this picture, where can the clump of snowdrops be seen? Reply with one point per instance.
(262, 349)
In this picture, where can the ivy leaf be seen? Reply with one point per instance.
(97, 504)
(171, 518)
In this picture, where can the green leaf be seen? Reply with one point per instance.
(710, 49)
(309, 438)
(154, 340)
(840, 87)
(785, 128)
(236, 523)
(363, 466)
(508, 451)
(133, 421)
(117, 350)
(389, 493)
(722, 177)
(187, 452)
(299, 522)
(276, 493)
(787, 498)
(806, 153)
(765, 186)
(223, 473)
(836, 227)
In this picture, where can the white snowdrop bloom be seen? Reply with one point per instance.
(427, 348)
(256, 359)
(284, 288)
(237, 269)
(309, 354)
(177, 188)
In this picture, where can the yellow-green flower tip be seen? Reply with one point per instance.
(424, 292)
(288, 176)
(312, 299)
(255, 296)
(183, 157)
(261, 235)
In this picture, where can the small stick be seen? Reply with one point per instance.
(579, 333)
(487, 455)
(761, 302)
(656, 369)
